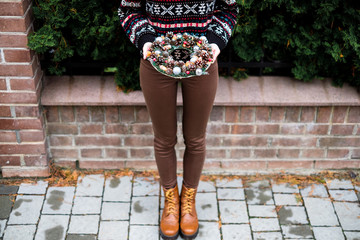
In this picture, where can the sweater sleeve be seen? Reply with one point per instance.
(135, 23)
(223, 22)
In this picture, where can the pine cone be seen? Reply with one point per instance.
(183, 68)
(191, 43)
(167, 40)
(170, 63)
(169, 71)
(192, 66)
(199, 63)
(169, 34)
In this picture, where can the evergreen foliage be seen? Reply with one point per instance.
(84, 30)
(320, 38)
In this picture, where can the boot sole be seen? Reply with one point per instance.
(189, 237)
(166, 237)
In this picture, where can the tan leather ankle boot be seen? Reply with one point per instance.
(189, 225)
(169, 224)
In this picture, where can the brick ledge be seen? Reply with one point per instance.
(16, 171)
(253, 91)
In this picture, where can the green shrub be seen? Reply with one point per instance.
(84, 30)
(320, 38)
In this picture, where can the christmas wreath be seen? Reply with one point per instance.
(180, 55)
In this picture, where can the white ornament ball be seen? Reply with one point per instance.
(203, 39)
(157, 52)
(193, 59)
(198, 72)
(196, 48)
(176, 70)
(158, 39)
(179, 35)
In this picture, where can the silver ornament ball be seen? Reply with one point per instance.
(176, 70)
(193, 59)
(203, 39)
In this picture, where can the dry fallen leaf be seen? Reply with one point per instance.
(62, 176)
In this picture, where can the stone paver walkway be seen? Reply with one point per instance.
(130, 208)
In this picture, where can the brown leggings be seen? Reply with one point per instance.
(160, 96)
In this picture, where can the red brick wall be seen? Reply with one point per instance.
(22, 137)
(238, 138)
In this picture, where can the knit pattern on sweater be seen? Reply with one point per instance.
(144, 20)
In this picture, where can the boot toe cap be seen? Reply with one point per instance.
(189, 229)
(170, 232)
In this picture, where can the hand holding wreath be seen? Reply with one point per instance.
(146, 47)
(215, 50)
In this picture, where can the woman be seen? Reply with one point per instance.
(143, 21)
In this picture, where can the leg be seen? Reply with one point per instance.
(198, 98)
(160, 97)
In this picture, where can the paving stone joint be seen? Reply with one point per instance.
(130, 207)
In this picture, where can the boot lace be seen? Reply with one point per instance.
(189, 196)
(169, 197)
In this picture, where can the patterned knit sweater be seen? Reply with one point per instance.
(214, 19)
